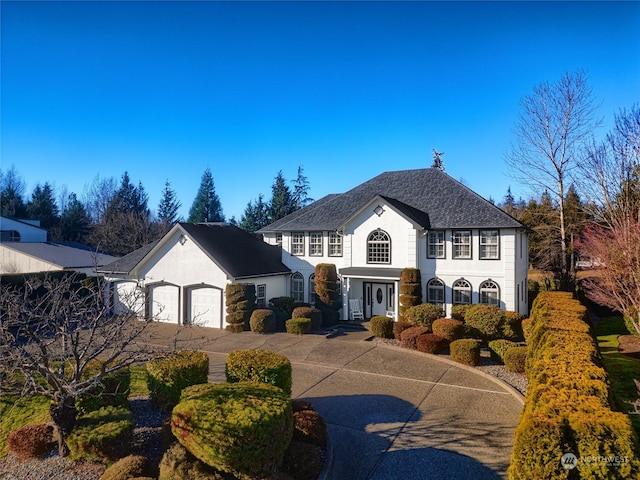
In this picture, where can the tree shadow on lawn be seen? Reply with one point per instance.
(382, 436)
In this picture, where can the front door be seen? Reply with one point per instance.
(379, 298)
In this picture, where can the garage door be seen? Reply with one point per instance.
(204, 306)
(163, 303)
(127, 299)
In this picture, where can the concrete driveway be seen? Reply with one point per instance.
(391, 413)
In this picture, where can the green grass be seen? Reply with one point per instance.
(138, 387)
(622, 369)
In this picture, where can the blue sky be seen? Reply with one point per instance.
(347, 90)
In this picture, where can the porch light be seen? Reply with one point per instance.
(182, 239)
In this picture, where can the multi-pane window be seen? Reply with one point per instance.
(297, 243)
(312, 288)
(489, 244)
(461, 291)
(435, 248)
(435, 291)
(335, 244)
(490, 293)
(461, 244)
(379, 247)
(297, 287)
(279, 238)
(315, 244)
(261, 294)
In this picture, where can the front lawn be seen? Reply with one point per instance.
(622, 369)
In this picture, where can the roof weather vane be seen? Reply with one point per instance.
(437, 160)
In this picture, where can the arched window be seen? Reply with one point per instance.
(312, 288)
(435, 291)
(378, 247)
(297, 287)
(489, 293)
(461, 291)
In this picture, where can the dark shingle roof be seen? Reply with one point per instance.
(237, 252)
(127, 263)
(428, 196)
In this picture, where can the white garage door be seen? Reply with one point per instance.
(164, 303)
(205, 307)
(127, 299)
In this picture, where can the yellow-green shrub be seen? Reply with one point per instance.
(499, 347)
(166, 377)
(262, 320)
(466, 351)
(381, 326)
(423, 315)
(131, 466)
(101, 435)
(298, 326)
(515, 358)
(113, 389)
(262, 366)
(448, 328)
(314, 314)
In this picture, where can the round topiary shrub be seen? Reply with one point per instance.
(485, 321)
(131, 466)
(448, 328)
(423, 315)
(262, 320)
(381, 326)
(241, 428)
(309, 312)
(178, 464)
(499, 347)
(310, 427)
(399, 327)
(31, 441)
(283, 303)
(408, 337)
(410, 290)
(466, 351)
(512, 328)
(458, 311)
(262, 366)
(515, 359)
(430, 343)
(298, 326)
(103, 435)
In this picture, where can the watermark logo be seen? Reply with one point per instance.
(569, 461)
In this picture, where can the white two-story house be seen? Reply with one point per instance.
(467, 250)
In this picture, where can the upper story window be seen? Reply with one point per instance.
(462, 244)
(261, 296)
(297, 287)
(490, 293)
(278, 238)
(335, 244)
(489, 244)
(297, 243)
(315, 244)
(378, 247)
(461, 291)
(435, 291)
(435, 246)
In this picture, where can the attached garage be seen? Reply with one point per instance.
(204, 306)
(164, 303)
(127, 299)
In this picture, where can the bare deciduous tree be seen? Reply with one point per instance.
(51, 329)
(554, 124)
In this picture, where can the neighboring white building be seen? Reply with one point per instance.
(15, 230)
(182, 277)
(467, 249)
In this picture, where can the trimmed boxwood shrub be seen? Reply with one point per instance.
(399, 327)
(102, 435)
(262, 366)
(423, 315)
(408, 337)
(298, 326)
(309, 312)
(327, 298)
(381, 326)
(178, 464)
(448, 328)
(512, 327)
(262, 320)
(166, 377)
(499, 347)
(310, 427)
(241, 428)
(131, 466)
(430, 343)
(458, 311)
(240, 301)
(410, 290)
(485, 321)
(466, 351)
(31, 441)
(515, 359)
(283, 303)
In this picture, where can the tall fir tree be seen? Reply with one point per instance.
(206, 206)
(75, 222)
(169, 206)
(11, 194)
(129, 199)
(255, 216)
(282, 200)
(301, 189)
(42, 206)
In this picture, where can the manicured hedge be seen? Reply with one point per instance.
(381, 326)
(241, 301)
(485, 321)
(166, 377)
(466, 351)
(130, 467)
(399, 327)
(409, 336)
(262, 320)
(567, 406)
(423, 315)
(298, 326)
(430, 343)
(262, 366)
(314, 314)
(448, 328)
(458, 311)
(326, 285)
(515, 359)
(102, 435)
(31, 441)
(410, 290)
(499, 347)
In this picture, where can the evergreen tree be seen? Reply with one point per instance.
(11, 194)
(255, 216)
(301, 190)
(169, 206)
(42, 206)
(282, 201)
(206, 206)
(75, 222)
(437, 160)
(129, 199)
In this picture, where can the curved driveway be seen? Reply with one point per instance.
(391, 413)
